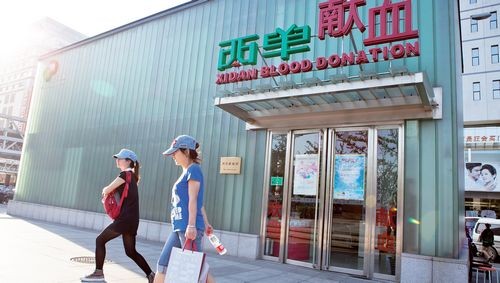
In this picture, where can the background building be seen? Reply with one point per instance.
(481, 96)
(17, 75)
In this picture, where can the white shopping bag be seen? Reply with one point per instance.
(186, 266)
(204, 273)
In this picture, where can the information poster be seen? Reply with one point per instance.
(349, 177)
(306, 174)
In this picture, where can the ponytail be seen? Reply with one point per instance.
(194, 155)
(135, 165)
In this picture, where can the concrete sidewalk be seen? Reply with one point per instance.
(35, 251)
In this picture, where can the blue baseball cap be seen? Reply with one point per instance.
(126, 153)
(181, 142)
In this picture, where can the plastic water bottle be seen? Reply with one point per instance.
(217, 244)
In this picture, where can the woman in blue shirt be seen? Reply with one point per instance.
(188, 216)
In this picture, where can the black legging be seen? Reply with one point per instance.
(128, 242)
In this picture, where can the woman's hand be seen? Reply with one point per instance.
(105, 192)
(208, 228)
(491, 186)
(190, 233)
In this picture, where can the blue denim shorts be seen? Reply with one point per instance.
(176, 239)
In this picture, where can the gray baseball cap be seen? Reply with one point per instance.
(126, 153)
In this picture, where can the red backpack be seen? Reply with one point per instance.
(112, 202)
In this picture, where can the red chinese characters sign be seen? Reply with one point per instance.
(388, 23)
(331, 17)
(482, 139)
(394, 10)
(332, 13)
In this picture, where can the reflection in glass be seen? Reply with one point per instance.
(275, 195)
(387, 189)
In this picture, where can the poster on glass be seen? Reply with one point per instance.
(481, 176)
(306, 174)
(349, 177)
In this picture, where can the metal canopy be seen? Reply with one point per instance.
(376, 100)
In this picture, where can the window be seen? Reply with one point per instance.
(476, 91)
(473, 25)
(494, 54)
(493, 20)
(472, 1)
(496, 89)
(495, 228)
(389, 25)
(12, 98)
(475, 56)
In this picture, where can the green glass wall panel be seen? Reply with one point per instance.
(432, 166)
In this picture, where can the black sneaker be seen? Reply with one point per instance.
(151, 277)
(96, 276)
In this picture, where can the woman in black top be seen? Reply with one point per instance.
(127, 222)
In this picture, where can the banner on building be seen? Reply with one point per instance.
(481, 176)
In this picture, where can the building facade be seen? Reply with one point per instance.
(17, 76)
(17, 73)
(328, 142)
(481, 96)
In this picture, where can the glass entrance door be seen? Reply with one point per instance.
(386, 235)
(349, 164)
(362, 236)
(304, 198)
(333, 200)
(276, 189)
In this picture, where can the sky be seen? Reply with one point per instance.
(89, 17)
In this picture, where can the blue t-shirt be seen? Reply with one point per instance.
(180, 199)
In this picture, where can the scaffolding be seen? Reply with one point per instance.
(11, 144)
